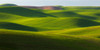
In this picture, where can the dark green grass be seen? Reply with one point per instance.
(14, 26)
(70, 14)
(20, 40)
(94, 13)
(23, 12)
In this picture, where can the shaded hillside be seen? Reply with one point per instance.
(23, 12)
(59, 23)
(23, 40)
(93, 13)
(14, 26)
(70, 14)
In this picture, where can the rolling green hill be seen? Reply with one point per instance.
(70, 14)
(23, 12)
(95, 14)
(58, 23)
(81, 8)
(24, 40)
(9, 17)
(93, 31)
(14, 26)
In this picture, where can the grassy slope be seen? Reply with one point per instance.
(9, 14)
(82, 8)
(95, 14)
(23, 40)
(70, 14)
(86, 31)
(23, 12)
(14, 26)
(89, 12)
(10, 17)
(58, 23)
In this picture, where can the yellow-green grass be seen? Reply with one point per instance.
(78, 12)
(25, 40)
(95, 14)
(10, 17)
(70, 14)
(81, 8)
(58, 23)
(86, 31)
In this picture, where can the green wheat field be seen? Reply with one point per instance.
(73, 28)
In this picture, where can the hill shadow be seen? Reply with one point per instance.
(98, 14)
(23, 12)
(25, 42)
(14, 26)
(38, 42)
(71, 14)
(86, 23)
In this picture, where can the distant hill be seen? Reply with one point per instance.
(81, 7)
(8, 5)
